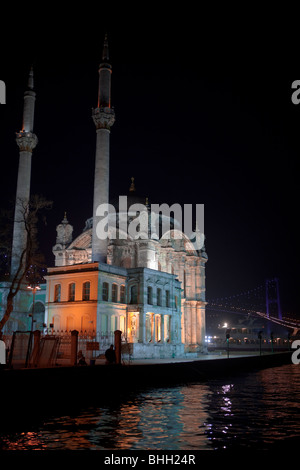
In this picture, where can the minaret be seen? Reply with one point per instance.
(104, 118)
(26, 141)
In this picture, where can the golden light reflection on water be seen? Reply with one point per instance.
(250, 411)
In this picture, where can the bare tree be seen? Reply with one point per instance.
(31, 210)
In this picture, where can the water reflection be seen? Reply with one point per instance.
(256, 410)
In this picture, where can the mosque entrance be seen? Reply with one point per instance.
(133, 327)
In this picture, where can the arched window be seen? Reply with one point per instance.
(86, 290)
(133, 294)
(167, 298)
(122, 295)
(57, 292)
(158, 296)
(71, 297)
(105, 291)
(149, 296)
(114, 293)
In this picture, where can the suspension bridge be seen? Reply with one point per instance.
(261, 302)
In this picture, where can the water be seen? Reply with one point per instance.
(259, 410)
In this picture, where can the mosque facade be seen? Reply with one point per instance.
(152, 289)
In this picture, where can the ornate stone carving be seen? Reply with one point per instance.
(26, 141)
(103, 118)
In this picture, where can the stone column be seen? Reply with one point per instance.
(194, 325)
(74, 347)
(162, 328)
(153, 336)
(187, 316)
(118, 334)
(142, 326)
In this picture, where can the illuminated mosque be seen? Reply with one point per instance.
(153, 290)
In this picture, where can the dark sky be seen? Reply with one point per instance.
(203, 115)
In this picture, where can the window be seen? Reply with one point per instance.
(167, 298)
(158, 296)
(71, 292)
(57, 290)
(114, 293)
(133, 294)
(105, 291)
(149, 299)
(176, 302)
(86, 290)
(122, 295)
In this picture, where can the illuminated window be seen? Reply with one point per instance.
(86, 290)
(105, 291)
(122, 295)
(150, 299)
(114, 293)
(158, 296)
(72, 292)
(167, 298)
(57, 291)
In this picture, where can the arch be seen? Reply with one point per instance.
(176, 234)
(114, 292)
(57, 292)
(150, 295)
(105, 291)
(133, 298)
(83, 241)
(122, 294)
(71, 291)
(86, 290)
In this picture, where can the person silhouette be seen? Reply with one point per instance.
(110, 355)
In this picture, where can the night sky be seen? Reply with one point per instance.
(203, 115)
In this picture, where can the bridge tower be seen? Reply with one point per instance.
(272, 298)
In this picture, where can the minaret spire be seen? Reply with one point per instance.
(26, 142)
(29, 102)
(105, 53)
(104, 118)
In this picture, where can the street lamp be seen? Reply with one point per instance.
(34, 287)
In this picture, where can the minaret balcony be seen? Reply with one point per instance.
(103, 118)
(26, 141)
